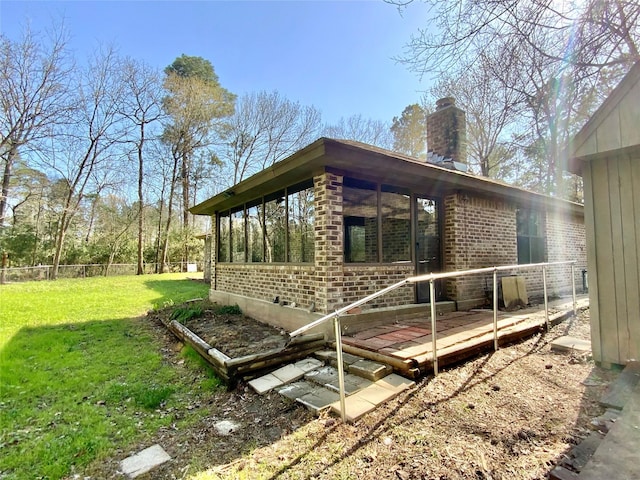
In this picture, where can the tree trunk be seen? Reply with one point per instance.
(59, 242)
(172, 188)
(140, 269)
(6, 178)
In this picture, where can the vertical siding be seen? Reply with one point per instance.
(632, 246)
(589, 221)
(614, 235)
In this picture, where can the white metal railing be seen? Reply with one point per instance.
(431, 278)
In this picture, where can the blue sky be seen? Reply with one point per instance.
(335, 55)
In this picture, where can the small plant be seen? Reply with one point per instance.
(184, 313)
(228, 310)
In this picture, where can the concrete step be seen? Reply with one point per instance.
(367, 399)
(357, 365)
(315, 384)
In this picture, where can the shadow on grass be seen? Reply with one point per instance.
(74, 393)
(177, 291)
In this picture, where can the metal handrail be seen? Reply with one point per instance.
(431, 278)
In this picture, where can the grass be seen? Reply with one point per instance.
(81, 373)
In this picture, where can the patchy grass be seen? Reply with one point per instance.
(81, 372)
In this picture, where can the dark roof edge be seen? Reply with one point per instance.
(331, 148)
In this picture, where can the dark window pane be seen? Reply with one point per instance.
(537, 249)
(237, 236)
(223, 238)
(360, 210)
(531, 240)
(255, 234)
(301, 220)
(275, 224)
(524, 254)
(396, 227)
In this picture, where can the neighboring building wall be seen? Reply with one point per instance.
(612, 206)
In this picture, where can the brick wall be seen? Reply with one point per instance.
(290, 282)
(361, 280)
(565, 240)
(446, 131)
(478, 233)
(329, 241)
(481, 232)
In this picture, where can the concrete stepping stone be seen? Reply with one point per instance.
(288, 373)
(355, 407)
(570, 344)
(396, 383)
(352, 384)
(330, 356)
(369, 369)
(318, 399)
(144, 461)
(370, 397)
(308, 364)
(322, 375)
(296, 390)
(265, 384)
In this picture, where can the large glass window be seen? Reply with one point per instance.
(275, 228)
(531, 240)
(223, 238)
(396, 226)
(255, 233)
(360, 210)
(237, 236)
(301, 219)
(275, 220)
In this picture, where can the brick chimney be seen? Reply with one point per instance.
(447, 131)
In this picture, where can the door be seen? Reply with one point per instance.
(428, 251)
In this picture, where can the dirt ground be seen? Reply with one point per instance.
(511, 414)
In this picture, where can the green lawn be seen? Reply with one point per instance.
(81, 372)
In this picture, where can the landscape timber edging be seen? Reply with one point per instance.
(230, 370)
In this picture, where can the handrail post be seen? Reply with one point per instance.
(434, 333)
(573, 289)
(338, 333)
(546, 299)
(495, 310)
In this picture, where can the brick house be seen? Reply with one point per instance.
(339, 220)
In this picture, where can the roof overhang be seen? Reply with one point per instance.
(369, 163)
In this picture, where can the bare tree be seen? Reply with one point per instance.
(588, 35)
(86, 147)
(264, 129)
(356, 127)
(34, 95)
(142, 107)
(552, 54)
(491, 106)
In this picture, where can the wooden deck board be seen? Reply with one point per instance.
(456, 331)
